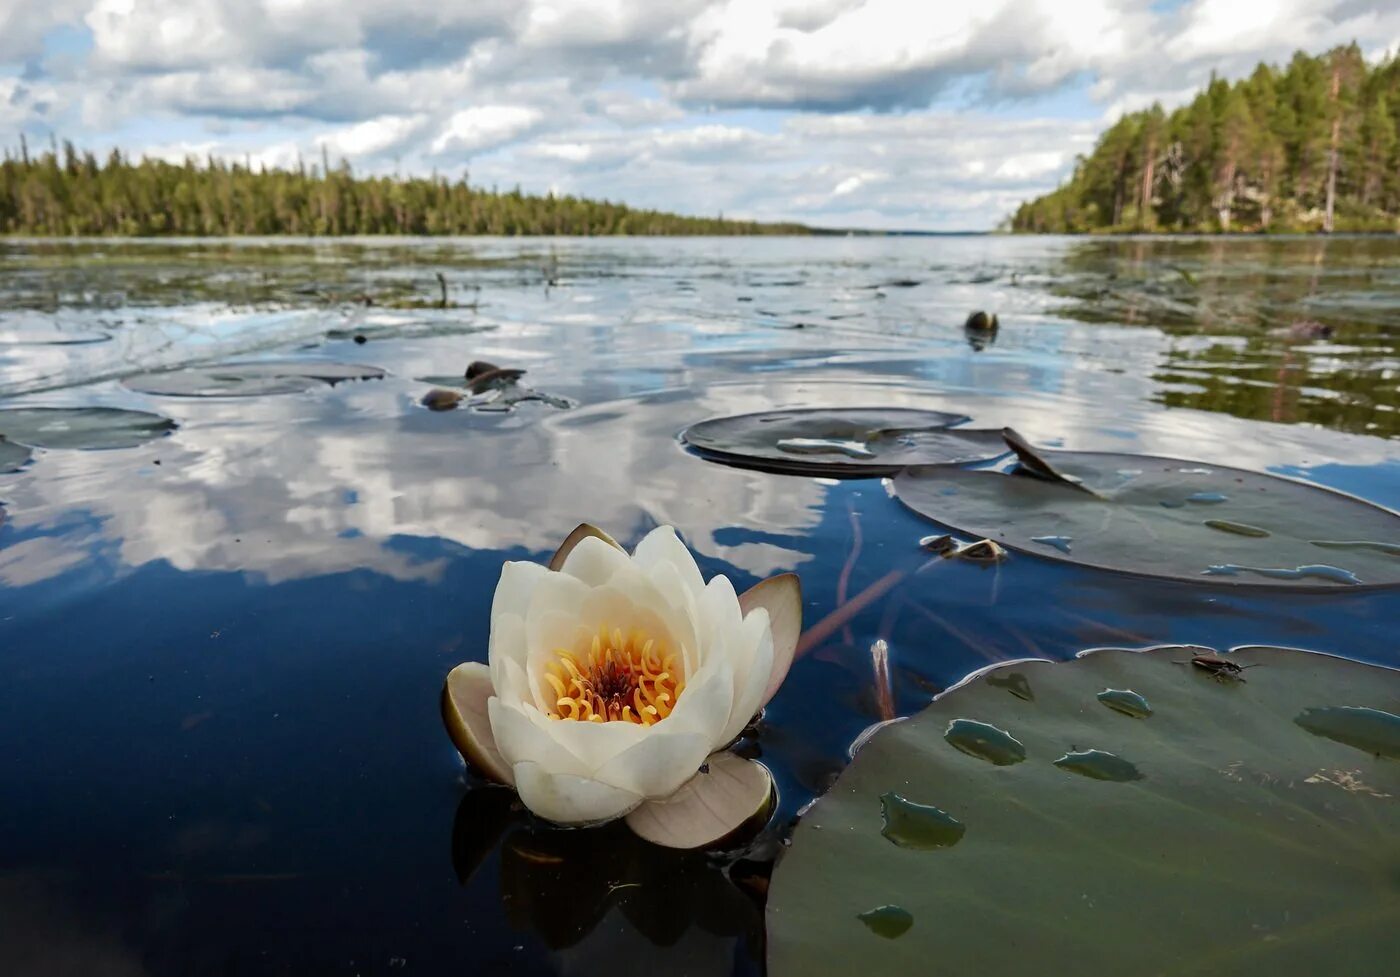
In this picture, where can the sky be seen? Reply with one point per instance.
(898, 114)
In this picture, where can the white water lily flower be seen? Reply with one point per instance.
(612, 679)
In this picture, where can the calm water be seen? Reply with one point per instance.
(222, 650)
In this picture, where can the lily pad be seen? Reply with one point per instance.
(1227, 836)
(91, 428)
(253, 379)
(1168, 518)
(12, 456)
(850, 442)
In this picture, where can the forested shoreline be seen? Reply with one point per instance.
(67, 192)
(1308, 147)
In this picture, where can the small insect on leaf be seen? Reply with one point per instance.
(1220, 669)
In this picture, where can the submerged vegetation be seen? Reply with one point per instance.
(68, 192)
(1309, 147)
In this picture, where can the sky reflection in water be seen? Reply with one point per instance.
(221, 671)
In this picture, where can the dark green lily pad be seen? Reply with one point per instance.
(1170, 518)
(253, 379)
(91, 428)
(841, 442)
(12, 456)
(1247, 845)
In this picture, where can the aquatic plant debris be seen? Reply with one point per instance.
(1109, 809)
(847, 442)
(1263, 531)
(254, 378)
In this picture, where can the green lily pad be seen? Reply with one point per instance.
(12, 456)
(91, 428)
(1241, 829)
(849, 442)
(254, 379)
(1169, 518)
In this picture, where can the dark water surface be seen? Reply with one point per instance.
(222, 650)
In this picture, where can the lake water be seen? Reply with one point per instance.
(222, 649)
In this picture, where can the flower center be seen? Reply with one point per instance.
(618, 678)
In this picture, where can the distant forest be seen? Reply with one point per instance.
(1309, 147)
(68, 192)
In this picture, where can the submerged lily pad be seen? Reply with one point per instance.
(12, 456)
(92, 428)
(849, 442)
(1170, 518)
(1223, 838)
(253, 379)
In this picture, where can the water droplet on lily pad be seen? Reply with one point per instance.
(1099, 765)
(255, 378)
(1126, 701)
(1366, 729)
(890, 922)
(920, 826)
(1061, 543)
(850, 442)
(984, 741)
(1318, 571)
(89, 428)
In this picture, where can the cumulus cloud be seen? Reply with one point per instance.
(883, 111)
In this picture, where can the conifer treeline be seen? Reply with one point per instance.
(69, 192)
(1312, 146)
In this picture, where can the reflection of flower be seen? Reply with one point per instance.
(612, 679)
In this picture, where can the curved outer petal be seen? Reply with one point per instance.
(515, 587)
(519, 740)
(581, 532)
(566, 799)
(661, 546)
(751, 654)
(594, 561)
(706, 703)
(781, 596)
(465, 697)
(711, 806)
(658, 765)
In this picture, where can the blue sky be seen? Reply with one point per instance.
(868, 113)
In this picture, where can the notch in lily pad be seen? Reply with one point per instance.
(256, 378)
(1135, 514)
(842, 442)
(1286, 827)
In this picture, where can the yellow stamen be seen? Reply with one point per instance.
(615, 677)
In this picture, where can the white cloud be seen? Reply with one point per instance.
(472, 130)
(884, 111)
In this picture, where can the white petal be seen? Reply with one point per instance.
(705, 703)
(464, 712)
(594, 561)
(507, 643)
(513, 590)
(566, 799)
(658, 765)
(520, 740)
(710, 806)
(661, 545)
(719, 609)
(644, 602)
(594, 744)
(751, 654)
(581, 532)
(781, 596)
